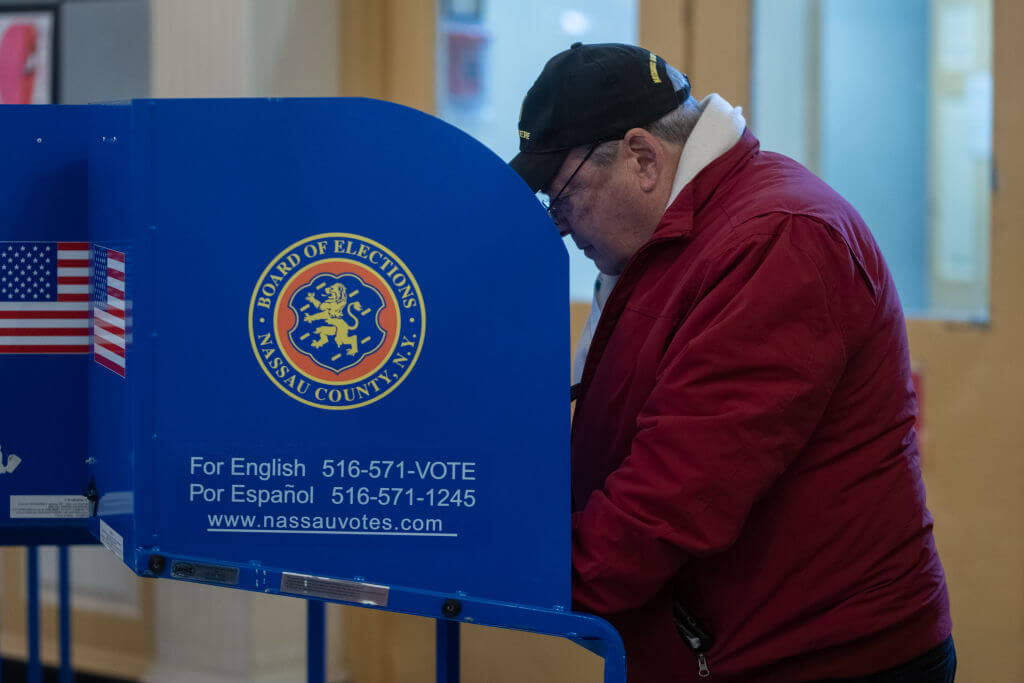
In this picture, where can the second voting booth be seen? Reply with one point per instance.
(326, 358)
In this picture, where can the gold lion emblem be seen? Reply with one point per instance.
(333, 311)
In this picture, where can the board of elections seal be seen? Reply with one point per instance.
(337, 321)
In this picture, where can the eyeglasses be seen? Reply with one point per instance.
(552, 204)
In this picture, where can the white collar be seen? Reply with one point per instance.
(719, 127)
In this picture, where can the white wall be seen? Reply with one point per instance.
(201, 48)
(296, 48)
(246, 48)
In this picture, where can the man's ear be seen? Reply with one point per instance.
(646, 157)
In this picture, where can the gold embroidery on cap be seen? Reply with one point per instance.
(524, 134)
(654, 69)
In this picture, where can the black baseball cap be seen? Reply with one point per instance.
(589, 94)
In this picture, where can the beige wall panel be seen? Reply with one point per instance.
(412, 55)
(362, 45)
(662, 28)
(503, 656)
(388, 51)
(706, 39)
(383, 647)
(578, 313)
(296, 48)
(718, 32)
(971, 446)
(488, 654)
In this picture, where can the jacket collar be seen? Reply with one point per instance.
(677, 221)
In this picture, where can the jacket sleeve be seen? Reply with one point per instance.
(738, 394)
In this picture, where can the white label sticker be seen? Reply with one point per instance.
(112, 540)
(49, 507)
(335, 589)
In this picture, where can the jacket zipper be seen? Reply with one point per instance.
(702, 666)
(694, 634)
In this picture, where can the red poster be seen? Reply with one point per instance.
(26, 57)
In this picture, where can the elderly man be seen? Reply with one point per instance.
(747, 493)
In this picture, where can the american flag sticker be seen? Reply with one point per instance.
(109, 317)
(44, 297)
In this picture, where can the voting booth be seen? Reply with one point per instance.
(325, 357)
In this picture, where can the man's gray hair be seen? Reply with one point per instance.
(674, 127)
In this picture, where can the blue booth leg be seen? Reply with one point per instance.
(615, 668)
(64, 581)
(35, 670)
(316, 642)
(447, 651)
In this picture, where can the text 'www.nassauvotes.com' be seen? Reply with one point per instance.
(361, 525)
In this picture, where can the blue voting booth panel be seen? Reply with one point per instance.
(333, 344)
(44, 325)
(115, 406)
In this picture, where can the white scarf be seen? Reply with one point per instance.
(719, 127)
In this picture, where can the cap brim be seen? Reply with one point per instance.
(538, 168)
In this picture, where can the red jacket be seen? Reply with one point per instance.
(746, 435)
